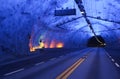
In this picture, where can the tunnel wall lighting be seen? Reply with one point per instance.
(42, 45)
(52, 44)
(59, 45)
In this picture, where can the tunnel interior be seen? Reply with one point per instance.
(57, 32)
(92, 42)
(23, 23)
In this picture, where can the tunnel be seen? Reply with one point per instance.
(92, 42)
(59, 39)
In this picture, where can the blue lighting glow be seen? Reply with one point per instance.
(17, 19)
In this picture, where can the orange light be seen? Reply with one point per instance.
(32, 49)
(52, 44)
(59, 45)
(30, 46)
(46, 45)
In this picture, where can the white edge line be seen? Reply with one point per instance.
(39, 63)
(117, 64)
(13, 72)
(52, 58)
(113, 60)
(108, 55)
(61, 56)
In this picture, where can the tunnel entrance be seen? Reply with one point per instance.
(92, 42)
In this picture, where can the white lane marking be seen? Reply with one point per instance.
(61, 56)
(113, 60)
(107, 54)
(67, 54)
(117, 64)
(39, 63)
(52, 58)
(13, 72)
(110, 57)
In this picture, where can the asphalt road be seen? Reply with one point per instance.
(90, 63)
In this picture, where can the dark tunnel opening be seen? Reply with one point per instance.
(92, 42)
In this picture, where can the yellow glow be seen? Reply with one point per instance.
(32, 49)
(41, 45)
(53, 44)
(59, 45)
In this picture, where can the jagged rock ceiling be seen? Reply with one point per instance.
(24, 19)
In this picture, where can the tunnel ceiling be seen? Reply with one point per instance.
(36, 17)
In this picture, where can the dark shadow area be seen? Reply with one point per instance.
(92, 42)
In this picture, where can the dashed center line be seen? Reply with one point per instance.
(39, 63)
(13, 72)
(61, 56)
(52, 58)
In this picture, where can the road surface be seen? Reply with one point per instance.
(90, 63)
